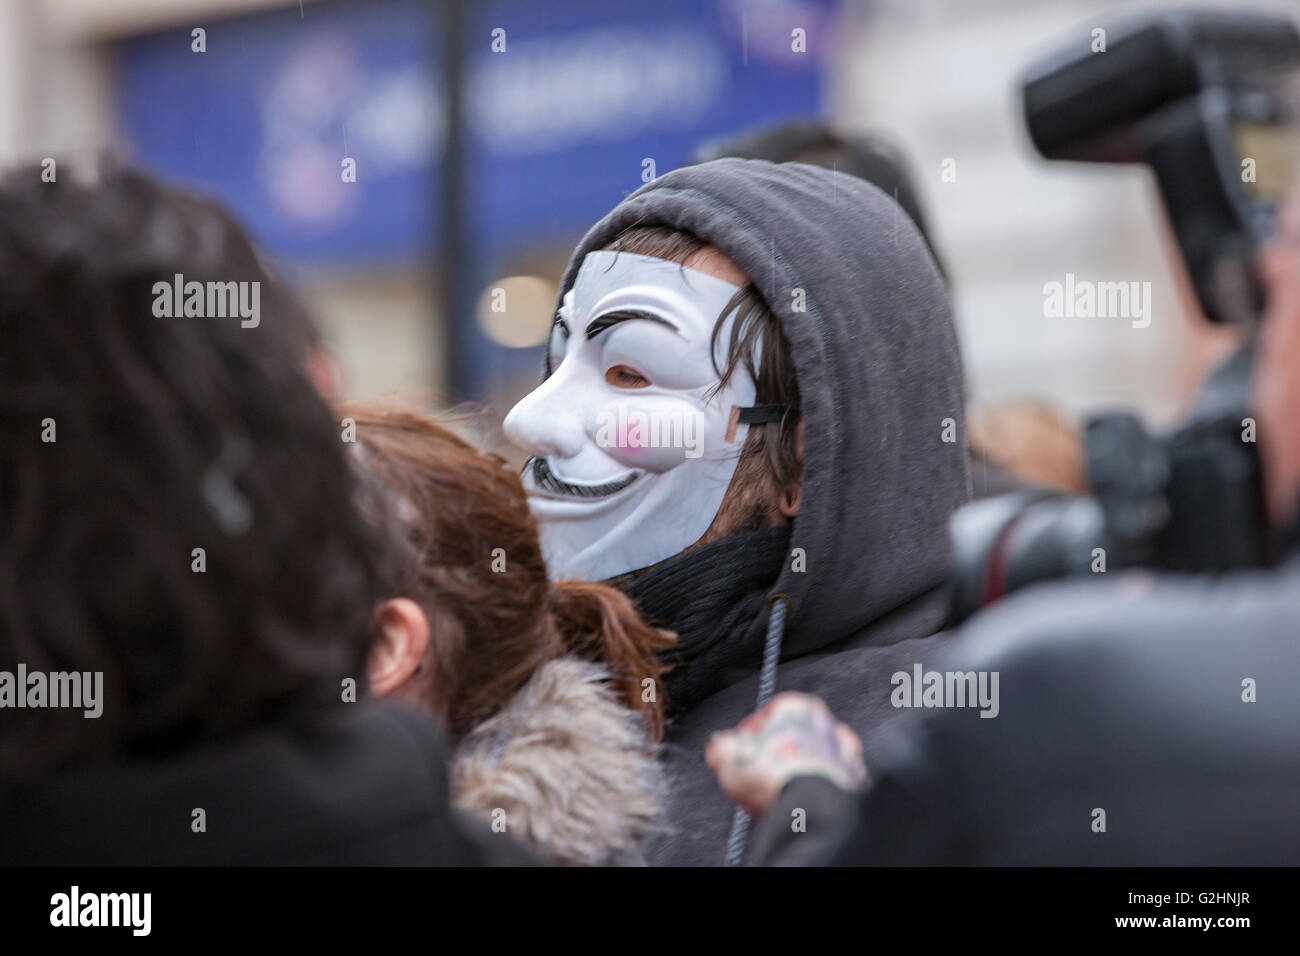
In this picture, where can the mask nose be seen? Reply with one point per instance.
(546, 421)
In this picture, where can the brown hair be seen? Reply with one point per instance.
(467, 551)
(770, 466)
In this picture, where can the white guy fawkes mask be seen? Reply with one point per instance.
(632, 448)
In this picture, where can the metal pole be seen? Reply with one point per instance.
(456, 259)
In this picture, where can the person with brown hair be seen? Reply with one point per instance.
(549, 693)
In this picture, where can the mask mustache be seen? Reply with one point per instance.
(546, 480)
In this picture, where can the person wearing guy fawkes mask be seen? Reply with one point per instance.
(751, 420)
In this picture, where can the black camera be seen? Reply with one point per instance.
(1197, 96)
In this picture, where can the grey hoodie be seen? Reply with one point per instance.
(885, 464)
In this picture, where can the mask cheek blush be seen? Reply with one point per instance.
(653, 434)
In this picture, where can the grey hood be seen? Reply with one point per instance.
(879, 375)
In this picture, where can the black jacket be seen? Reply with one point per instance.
(1129, 697)
(368, 788)
(885, 464)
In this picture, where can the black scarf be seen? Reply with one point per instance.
(714, 597)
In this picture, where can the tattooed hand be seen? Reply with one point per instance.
(795, 735)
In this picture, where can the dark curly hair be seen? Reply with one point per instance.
(171, 434)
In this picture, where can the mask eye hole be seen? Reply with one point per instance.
(623, 376)
(557, 344)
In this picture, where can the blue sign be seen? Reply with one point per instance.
(267, 115)
(586, 96)
(571, 105)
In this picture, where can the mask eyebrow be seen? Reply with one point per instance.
(611, 319)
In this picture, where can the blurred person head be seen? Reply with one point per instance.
(469, 613)
(176, 510)
(870, 156)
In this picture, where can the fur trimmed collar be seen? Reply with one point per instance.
(570, 765)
